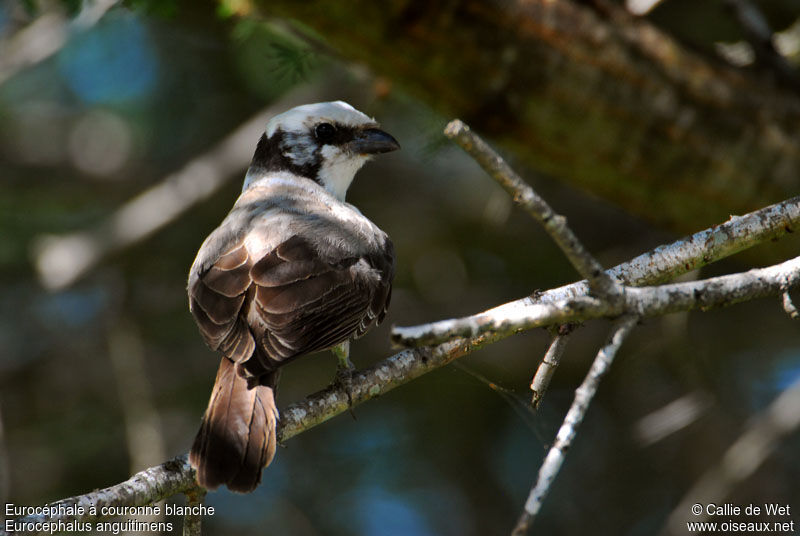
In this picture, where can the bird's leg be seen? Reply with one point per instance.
(342, 353)
(344, 371)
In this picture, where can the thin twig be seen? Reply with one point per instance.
(555, 224)
(642, 301)
(740, 461)
(546, 369)
(577, 411)
(789, 306)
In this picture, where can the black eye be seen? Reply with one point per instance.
(325, 132)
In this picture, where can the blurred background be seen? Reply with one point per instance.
(125, 131)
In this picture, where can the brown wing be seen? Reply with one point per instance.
(216, 299)
(288, 303)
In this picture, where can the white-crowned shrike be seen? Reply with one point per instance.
(292, 269)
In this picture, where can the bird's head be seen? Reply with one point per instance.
(326, 142)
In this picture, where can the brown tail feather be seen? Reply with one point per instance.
(237, 437)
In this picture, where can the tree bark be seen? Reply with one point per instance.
(589, 95)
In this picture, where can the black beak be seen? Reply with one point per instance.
(373, 141)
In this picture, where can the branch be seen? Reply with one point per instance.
(556, 306)
(684, 255)
(660, 264)
(176, 476)
(705, 247)
(643, 301)
(577, 411)
(555, 224)
(541, 380)
(679, 257)
(145, 487)
(375, 381)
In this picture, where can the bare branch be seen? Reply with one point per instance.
(145, 487)
(705, 247)
(682, 256)
(541, 380)
(643, 301)
(375, 381)
(577, 411)
(176, 476)
(555, 224)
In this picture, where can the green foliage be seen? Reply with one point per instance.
(271, 58)
(292, 62)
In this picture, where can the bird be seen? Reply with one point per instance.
(292, 269)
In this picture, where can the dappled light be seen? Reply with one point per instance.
(593, 322)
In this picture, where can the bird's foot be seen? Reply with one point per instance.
(344, 380)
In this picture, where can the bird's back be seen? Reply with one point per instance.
(303, 272)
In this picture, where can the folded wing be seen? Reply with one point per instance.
(263, 312)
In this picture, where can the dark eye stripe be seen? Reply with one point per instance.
(333, 134)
